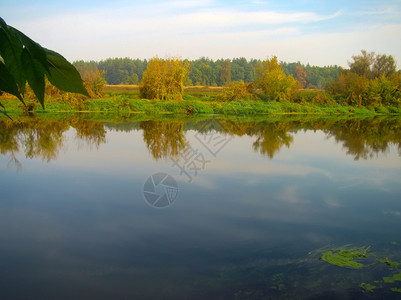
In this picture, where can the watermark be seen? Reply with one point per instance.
(160, 190)
(190, 161)
(213, 141)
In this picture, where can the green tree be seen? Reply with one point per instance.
(133, 79)
(24, 61)
(373, 66)
(362, 63)
(383, 65)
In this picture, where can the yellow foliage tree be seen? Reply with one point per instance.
(273, 81)
(164, 79)
(236, 90)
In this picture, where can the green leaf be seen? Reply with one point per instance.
(3, 24)
(11, 51)
(35, 76)
(7, 82)
(34, 49)
(63, 75)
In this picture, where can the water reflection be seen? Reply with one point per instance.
(272, 137)
(163, 138)
(241, 230)
(39, 138)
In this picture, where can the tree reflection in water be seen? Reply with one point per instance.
(164, 139)
(38, 138)
(43, 138)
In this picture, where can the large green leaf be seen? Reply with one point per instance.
(7, 82)
(34, 49)
(22, 60)
(34, 75)
(11, 51)
(2, 23)
(63, 75)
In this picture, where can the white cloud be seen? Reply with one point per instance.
(395, 213)
(148, 30)
(236, 18)
(291, 195)
(191, 3)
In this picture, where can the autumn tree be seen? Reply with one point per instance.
(272, 80)
(372, 81)
(300, 75)
(93, 79)
(236, 90)
(225, 76)
(164, 79)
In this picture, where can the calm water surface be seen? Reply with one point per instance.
(91, 210)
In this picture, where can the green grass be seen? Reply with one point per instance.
(120, 104)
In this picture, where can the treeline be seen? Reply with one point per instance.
(208, 72)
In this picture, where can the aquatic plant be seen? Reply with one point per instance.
(388, 262)
(392, 279)
(345, 257)
(367, 286)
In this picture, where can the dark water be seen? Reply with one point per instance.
(90, 210)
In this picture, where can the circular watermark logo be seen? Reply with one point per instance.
(160, 190)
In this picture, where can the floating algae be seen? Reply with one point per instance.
(388, 262)
(367, 286)
(395, 277)
(345, 257)
(349, 257)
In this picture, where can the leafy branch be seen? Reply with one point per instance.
(22, 61)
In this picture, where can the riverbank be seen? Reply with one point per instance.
(123, 104)
(197, 100)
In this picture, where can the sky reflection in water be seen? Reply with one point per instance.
(74, 222)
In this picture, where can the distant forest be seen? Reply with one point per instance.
(208, 72)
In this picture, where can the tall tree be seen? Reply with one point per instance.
(300, 75)
(225, 76)
(383, 65)
(362, 63)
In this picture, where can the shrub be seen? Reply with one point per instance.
(237, 90)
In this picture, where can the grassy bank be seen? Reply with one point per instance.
(123, 104)
(197, 100)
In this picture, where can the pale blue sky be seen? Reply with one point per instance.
(317, 32)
